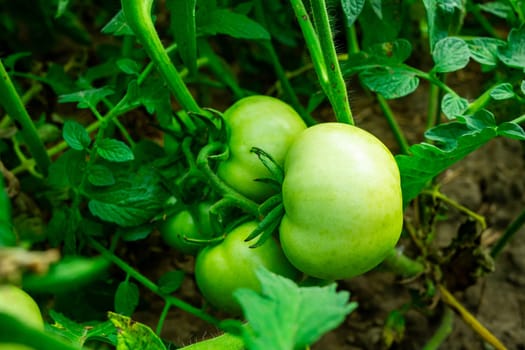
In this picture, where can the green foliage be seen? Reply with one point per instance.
(134, 335)
(285, 317)
(135, 92)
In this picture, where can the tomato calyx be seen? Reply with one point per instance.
(276, 171)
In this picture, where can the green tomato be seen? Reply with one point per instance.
(343, 204)
(257, 121)
(17, 303)
(231, 264)
(176, 228)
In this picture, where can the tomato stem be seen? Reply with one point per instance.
(16, 109)
(508, 234)
(322, 51)
(402, 265)
(445, 328)
(220, 186)
(171, 300)
(138, 17)
(338, 95)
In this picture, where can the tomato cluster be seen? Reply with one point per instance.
(341, 196)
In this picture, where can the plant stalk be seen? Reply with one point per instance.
(508, 234)
(15, 108)
(138, 17)
(338, 94)
(151, 285)
(469, 319)
(445, 328)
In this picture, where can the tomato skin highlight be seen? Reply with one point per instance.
(343, 202)
(221, 269)
(17, 303)
(257, 121)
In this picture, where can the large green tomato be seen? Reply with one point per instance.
(223, 268)
(17, 303)
(257, 121)
(187, 224)
(343, 204)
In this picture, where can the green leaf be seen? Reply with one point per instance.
(100, 175)
(444, 17)
(171, 281)
(128, 66)
(155, 97)
(130, 234)
(61, 8)
(389, 53)
(497, 8)
(377, 7)
(132, 335)
(453, 105)
(352, 9)
(222, 21)
(117, 25)
(67, 171)
(380, 21)
(86, 98)
(225, 341)
(132, 201)
(513, 54)
(285, 316)
(511, 130)
(79, 334)
(126, 298)
(485, 50)
(480, 120)
(114, 150)
(522, 86)
(184, 30)
(450, 54)
(455, 141)
(391, 82)
(503, 91)
(76, 135)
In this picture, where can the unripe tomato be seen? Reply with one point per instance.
(186, 224)
(343, 204)
(231, 264)
(257, 121)
(17, 303)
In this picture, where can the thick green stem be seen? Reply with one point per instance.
(151, 285)
(339, 102)
(402, 265)
(226, 191)
(138, 17)
(338, 95)
(15, 108)
(433, 106)
(508, 234)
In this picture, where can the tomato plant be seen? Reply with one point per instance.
(17, 303)
(257, 121)
(223, 268)
(162, 105)
(184, 225)
(342, 197)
